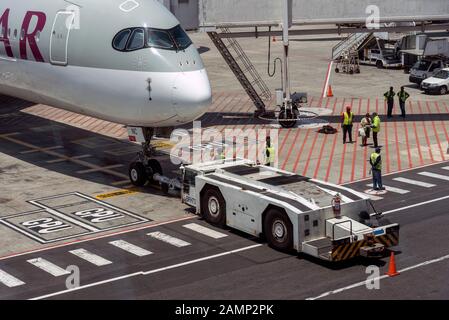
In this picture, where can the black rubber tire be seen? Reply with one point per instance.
(379, 64)
(443, 90)
(282, 241)
(286, 119)
(337, 70)
(137, 174)
(212, 198)
(153, 167)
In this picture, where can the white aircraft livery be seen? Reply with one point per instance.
(128, 62)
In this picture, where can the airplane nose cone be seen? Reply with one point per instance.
(192, 95)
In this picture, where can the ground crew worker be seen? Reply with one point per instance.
(366, 124)
(389, 96)
(348, 119)
(403, 96)
(269, 153)
(376, 129)
(376, 169)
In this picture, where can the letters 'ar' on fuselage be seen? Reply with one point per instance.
(26, 35)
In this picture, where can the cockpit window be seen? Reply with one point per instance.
(159, 39)
(137, 40)
(181, 38)
(121, 39)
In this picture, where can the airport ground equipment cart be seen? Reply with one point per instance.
(292, 212)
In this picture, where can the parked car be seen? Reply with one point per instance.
(439, 83)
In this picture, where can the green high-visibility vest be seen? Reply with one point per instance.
(348, 118)
(389, 95)
(374, 157)
(403, 96)
(270, 156)
(376, 124)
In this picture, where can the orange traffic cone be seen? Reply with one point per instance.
(392, 272)
(329, 92)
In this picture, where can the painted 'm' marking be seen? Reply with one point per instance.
(169, 239)
(415, 182)
(9, 280)
(434, 175)
(206, 231)
(90, 257)
(49, 267)
(131, 248)
(393, 189)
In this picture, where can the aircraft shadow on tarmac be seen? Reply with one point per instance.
(44, 143)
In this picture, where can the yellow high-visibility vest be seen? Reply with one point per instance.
(348, 118)
(374, 157)
(270, 157)
(376, 124)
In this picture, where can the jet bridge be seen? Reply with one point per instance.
(231, 19)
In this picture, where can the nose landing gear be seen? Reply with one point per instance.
(144, 168)
(288, 116)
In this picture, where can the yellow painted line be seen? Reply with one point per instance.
(163, 144)
(116, 194)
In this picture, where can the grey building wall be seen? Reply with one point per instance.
(187, 12)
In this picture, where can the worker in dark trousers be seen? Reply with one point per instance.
(403, 96)
(376, 168)
(269, 153)
(347, 124)
(376, 129)
(389, 97)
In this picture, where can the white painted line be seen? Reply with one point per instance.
(49, 267)
(41, 150)
(69, 159)
(415, 205)
(363, 283)
(206, 231)
(169, 239)
(434, 175)
(445, 168)
(393, 189)
(115, 166)
(415, 182)
(144, 273)
(138, 251)
(134, 229)
(9, 280)
(64, 217)
(90, 257)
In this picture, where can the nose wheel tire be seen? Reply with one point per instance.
(288, 118)
(278, 230)
(138, 174)
(213, 207)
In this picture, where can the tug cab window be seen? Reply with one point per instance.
(132, 39)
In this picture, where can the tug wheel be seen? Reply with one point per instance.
(213, 207)
(278, 230)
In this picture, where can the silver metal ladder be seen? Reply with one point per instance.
(349, 45)
(243, 69)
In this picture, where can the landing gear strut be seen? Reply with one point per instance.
(288, 116)
(145, 168)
